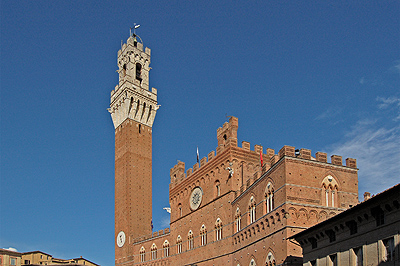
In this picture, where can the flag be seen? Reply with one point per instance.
(197, 154)
(261, 158)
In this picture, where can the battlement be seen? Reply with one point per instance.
(319, 156)
(134, 43)
(178, 171)
(227, 137)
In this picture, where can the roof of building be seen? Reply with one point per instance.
(36, 251)
(9, 252)
(393, 190)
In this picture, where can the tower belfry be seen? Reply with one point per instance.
(133, 108)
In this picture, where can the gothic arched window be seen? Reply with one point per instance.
(203, 235)
(190, 240)
(270, 261)
(269, 198)
(237, 219)
(153, 251)
(179, 244)
(329, 189)
(142, 253)
(218, 229)
(252, 210)
(166, 248)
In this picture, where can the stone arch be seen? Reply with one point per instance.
(217, 170)
(252, 261)
(278, 217)
(222, 165)
(293, 213)
(303, 215)
(272, 219)
(313, 216)
(266, 222)
(323, 216)
(331, 214)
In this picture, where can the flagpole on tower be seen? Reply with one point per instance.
(198, 154)
(135, 26)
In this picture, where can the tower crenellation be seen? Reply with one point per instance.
(132, 98)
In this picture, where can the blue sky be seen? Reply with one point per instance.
(322, 75)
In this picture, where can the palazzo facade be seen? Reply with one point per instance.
(237, 206)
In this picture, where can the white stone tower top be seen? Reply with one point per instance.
(131, 98)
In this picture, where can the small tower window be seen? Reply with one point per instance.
(143, 111)
(124, 70)
(139, 72)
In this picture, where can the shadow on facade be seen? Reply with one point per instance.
(293, 260)
(393, 257)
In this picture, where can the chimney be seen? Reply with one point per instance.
(367, 196)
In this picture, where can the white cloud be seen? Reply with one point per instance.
(11, 249)
(390, 103)
(376, 146)
(330, 112)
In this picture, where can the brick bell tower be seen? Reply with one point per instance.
(133, 109)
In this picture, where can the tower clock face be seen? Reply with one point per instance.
(195, 198)
(121, 239)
